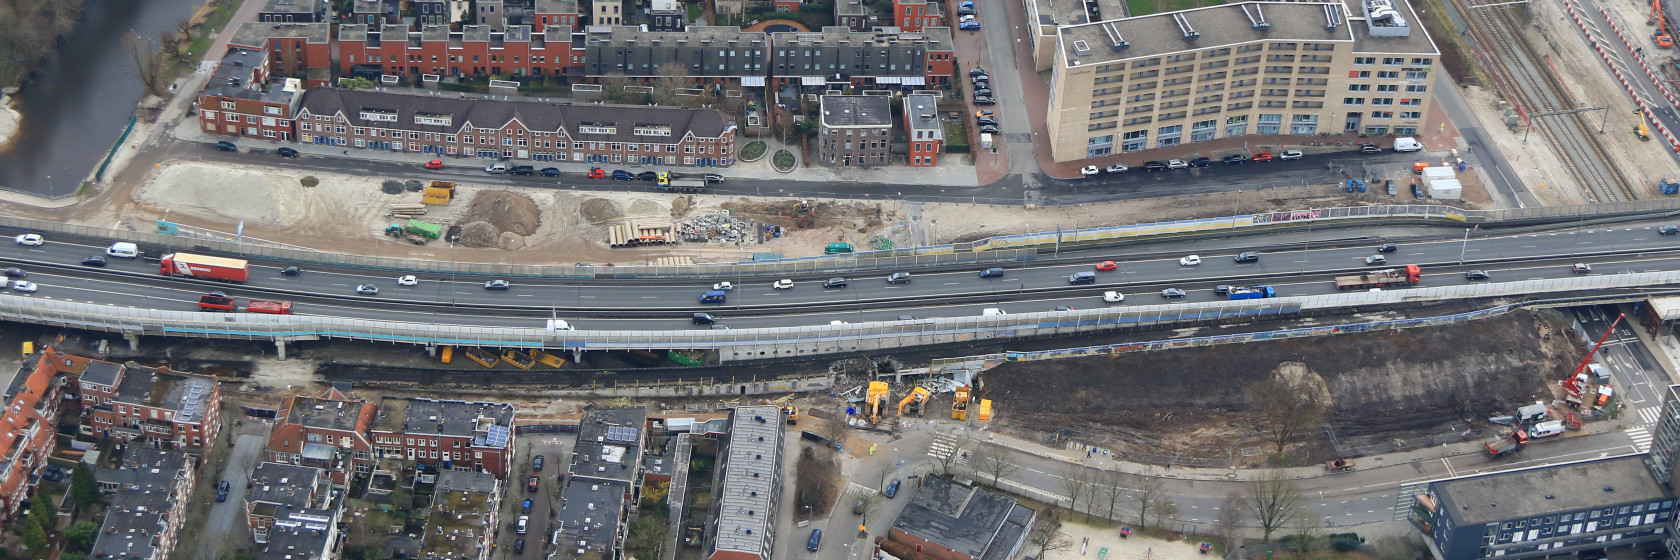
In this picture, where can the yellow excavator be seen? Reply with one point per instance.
(786, 404)
(877, 400)
(918, 397)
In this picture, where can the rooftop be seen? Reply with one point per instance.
(255, 34)
(290, 7)
(296, 544)
(749, 488)
(1211, 27)
(609, 444)
(489, 424)
(621, 123)
(465, 481)
(1051, 12)
(134, 519)
(589, 517)
(238, 77)
(856, 110)
(922, 112)
(344, 416)
(187, 395)
(285, 485)
(936, 39)
(1538, 491)
(102, 373)
(963, 519)
(460, 515)
(144, 468)
(1371, 38)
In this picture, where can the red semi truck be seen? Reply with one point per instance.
(203, 266)
(210, 302)
(270, 307)
(1409, 276)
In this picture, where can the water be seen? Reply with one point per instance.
(79, 100)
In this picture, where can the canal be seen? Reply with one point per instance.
(80, 99)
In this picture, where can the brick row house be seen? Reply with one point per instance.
(450, 435)
(150, 491)
(239, 99)
(517, 129)
(835, 55)
(295, 50)
(914, 15)
(149, 407)
(26, 426)
(924, 130)
(475, 51)
(281, 498)
(329, 432)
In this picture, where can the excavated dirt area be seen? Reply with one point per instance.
(499, 219)
(1381, 386)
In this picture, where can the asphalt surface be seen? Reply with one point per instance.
(1481, 152)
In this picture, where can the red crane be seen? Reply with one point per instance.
(1573, 385)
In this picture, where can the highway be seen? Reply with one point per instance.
(639, 305)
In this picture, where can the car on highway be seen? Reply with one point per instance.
(723, 287)
(15, 272)
(1153, 165)
(597, 173)
(1089, 171)
(1114, 297)
(291, 271)
(704, 319)
(1374, 260)
(1668, 230)
(1191, 260)
(367, 289)
(434, 164)
(1235, 159)
(1222, 290)
(899, 278)
(30, 240)
(1170, 293)
(783, 284)
(408, 280)
(892, 488)
(1291, 154)
(714, 178)
(497, 285)
(95, 260)
(1116, 168)
(1247, 257)
(1176, 164)
(1261, 157)
(836, 282)
(287, 152)
(1387, 248)
(1082, 278)
(23, 286)
(1200, 162)
(1107, 266)
(549, 172)
(622, 175)
(648, 176)
(1581, 268)
(993, 272)
(531, 483)
(1476, 275)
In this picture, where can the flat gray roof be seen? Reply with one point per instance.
(255, 34)
(1065, 12)
(856, 110)
(961, 518)
(1216, 26)
(749, 473)
(1543, 490)
(1418, 42)
(922, 111)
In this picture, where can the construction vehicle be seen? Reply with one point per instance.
(788, 410)
(876, 400)
(439, 192)
(918, 396)
(1339, 465)
(1642, 131)
(1253, 292)
(519, 359)
(447, 354)
(547, 359)
(959, 408)
(1388, 278)
(213, 302)
(482, 356)
(269, 307)
(837, 248)
(683, 186)
(1663, 36)
(1506, 444)
(1575, 386)
(415, 231)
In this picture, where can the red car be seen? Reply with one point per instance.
(531, 485)
(1106, 266)
(434, 164)
(1262, 156)
(597, 173)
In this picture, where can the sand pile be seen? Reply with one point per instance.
(499, 219)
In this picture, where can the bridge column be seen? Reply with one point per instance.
(280, 349)
(431, 351)
(133, 342)
(577, 356)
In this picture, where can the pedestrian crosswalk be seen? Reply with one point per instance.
(1650, 414)
(1641, 439)
(944, 445)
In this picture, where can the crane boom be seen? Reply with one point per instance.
(1572, 385)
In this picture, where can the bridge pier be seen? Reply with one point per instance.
(280, 349)
(431, 351)
(577, 356)
(133, 342)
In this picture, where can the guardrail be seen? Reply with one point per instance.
(761, 343)
(1002, 249)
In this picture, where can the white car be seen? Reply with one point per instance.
(723, 286)
(1114, 297)
(838, 323)
(1191, 260)
(25, 287)
(1290, 154)
(783, 284)
(1116, 168)
(1090, 171)
(1376, 259)
(1176, 164)
(30, 239)
(409, 280)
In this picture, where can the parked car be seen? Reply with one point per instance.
(714, 178)
(1370, 149)
(226, 146)
(1153, 165)
(222, 489)
(525, 507)
(622, 175)
(1200, 162)
(985, 121)
(970, 25)
(1089, 171)
(977, 72)
(496, 168)
(892, 488)
(1235, 159)
(1172, 293)
(30, 240)
(984, 101)
(519, 545)
(597, 173)
(1176, 164)
(648, 176)
(988, 129)
(1116, 168)
(1291, 154)
(367, 290)
(434, 164)
(537, 462)
(95, 260)
(531, 483)
(1390, 185)
(982, 92)
(497, 285)
(549, 172)
(1262, 156)
(836, 282)
(287, 152)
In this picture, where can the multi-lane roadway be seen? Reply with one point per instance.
(642, 305)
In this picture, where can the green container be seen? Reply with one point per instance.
(427, 229)
(834, 248)
(683, 359)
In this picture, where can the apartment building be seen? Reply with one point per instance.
(1251, 68)
(452, 435)
(27, 425)
(914, 15)
(239, 100)
(854, 130)
(748, 486)
(295, 50)
(149, 504)
(475, 50)
(463, 521)
(149, 407)
(835, 56)
(603, 480)
(667, 15)
(293, 11)
(955, 521)
(283, 498)
(329, 432)
(607, 12)
(518, 129)
(923, 128)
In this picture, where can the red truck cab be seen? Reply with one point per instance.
(211, 302)
(270, 307)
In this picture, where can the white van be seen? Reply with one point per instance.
(496, 168)
(124, 250)
(559, 325)
(992, 312)
(1407, 144)
(1546, 429)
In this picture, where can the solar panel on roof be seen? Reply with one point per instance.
(622, 434)
(498, 436)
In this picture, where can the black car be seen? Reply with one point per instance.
(226, 146)
(287, 152)
(497, 285)
(1235, 159)
(1387, 248)
(704, 318)
(984, 101)
(95, 260)
(222, 489)
(988, 129)
(994, 272)
(291, 271)
(1222, 290)
(714, 178)
(985, 121)
(519, 545)
(1370, 149)
(549, 172)
(982, 92)
(1154, 166)
(15, 272)
(1668, 230)
(1200, 162)
(835, 283)
(537, 462)
(521, 170)
(976, 72)
(982, 82)
(1248, 257)
(1416, 192)
(1476, 275)
(648, 176)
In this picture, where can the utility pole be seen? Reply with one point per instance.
(1601, 123)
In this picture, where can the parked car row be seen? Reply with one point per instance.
(1155, 165)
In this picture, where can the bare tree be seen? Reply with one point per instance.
(147, 64)
(612, 88)
(816, 478)
(1165, 509)
(1306, 534)
(995, 461)
(834, 427)
(1274, 500)
(865, 504)
(942, 464)
(1228, 526)
(671, 77)
(1286, 403)
(1047, 533)
(881, 471)
(1112, 486)
(1146, 494)
(1076, 482)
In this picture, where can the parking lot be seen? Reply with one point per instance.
(556, 451)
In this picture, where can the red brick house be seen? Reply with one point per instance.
(453, 435)
(475, 50)
(26, 426)
(239, 100)
(295, 50)
(327, 432)
(913, 15)
(925, 132)
(149, 407)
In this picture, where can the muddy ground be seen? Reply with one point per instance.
(1382, 386)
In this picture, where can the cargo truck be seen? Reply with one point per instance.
(1506, 444)
(269, 307)
(1389, 278)
(1253, 292)
(684, 185)
(212, 302)
(203, 266)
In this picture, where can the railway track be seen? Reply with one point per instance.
(1526, 78)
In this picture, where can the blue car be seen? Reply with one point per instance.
(892, 488)
(622, 175)
(970, 26)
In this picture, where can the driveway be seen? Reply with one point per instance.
(219, 534)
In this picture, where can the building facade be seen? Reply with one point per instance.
(451, 435)
(1665, 441)
(293, 11)
(329, 432)
(149, 407)
(667, 15)
(854, 130)
(1263, 68)
(27, 432)
(474, 51)
(914, 15)
(517, 129)
(295, 50)
(607, 12)
(1544, 511)
(835, 57)
(148, 506)
(925, 132)
(748, 479)
(239, 101)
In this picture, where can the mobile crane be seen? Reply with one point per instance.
(1576, 384)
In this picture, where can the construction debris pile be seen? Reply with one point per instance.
(719, 227)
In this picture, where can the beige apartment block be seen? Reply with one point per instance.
(1302, 69)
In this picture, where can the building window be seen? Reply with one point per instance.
(1134, 141)
(1169, 135)
(1202, 131)
(1269, 124)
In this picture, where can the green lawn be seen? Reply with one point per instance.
(695, 11)
(1146, 7)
